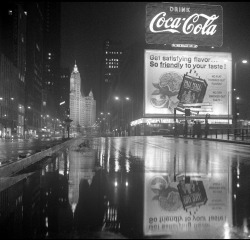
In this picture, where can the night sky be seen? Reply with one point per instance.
(85, 26)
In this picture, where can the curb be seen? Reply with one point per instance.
(212, 139)
(17, 166)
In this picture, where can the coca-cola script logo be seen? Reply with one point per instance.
(162, 24)
(184, 23)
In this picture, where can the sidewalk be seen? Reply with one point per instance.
(220, 138)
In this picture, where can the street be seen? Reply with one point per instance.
(128, 187)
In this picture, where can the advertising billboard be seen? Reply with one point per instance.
(198, 80)
(184, 23)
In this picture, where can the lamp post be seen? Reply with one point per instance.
(244, 61)
(132, 111)
(105, 121)
(67, 122)
(5, 125)
(1, 99)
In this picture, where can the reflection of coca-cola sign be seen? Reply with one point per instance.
(178, 23)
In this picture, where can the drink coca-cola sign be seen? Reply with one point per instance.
(184, 23)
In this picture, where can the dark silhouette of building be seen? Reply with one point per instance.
(110, 72)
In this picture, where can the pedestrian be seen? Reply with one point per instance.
(194, 129)
(198, 129)
(185, 129)
(206, 129)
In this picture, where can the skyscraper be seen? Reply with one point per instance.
(76, 100)
(82, 109)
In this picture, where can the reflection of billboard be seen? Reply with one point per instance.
(174, 78)
(192, 193)
(186, 205)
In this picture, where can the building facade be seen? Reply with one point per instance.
(34, 73)
(13, 21)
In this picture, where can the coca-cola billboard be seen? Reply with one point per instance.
(184, 23)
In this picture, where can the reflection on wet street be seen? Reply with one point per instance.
(132, 187)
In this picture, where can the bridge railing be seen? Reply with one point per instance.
(239, 134)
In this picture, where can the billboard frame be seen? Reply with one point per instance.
(229, 115)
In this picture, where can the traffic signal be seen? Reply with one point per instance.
(187, 112)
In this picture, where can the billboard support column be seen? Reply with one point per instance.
(175, 124)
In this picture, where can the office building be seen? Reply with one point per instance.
(90, 110)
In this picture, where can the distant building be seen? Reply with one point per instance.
(90, 110)
(110, 75)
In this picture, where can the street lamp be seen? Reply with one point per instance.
(122, 102)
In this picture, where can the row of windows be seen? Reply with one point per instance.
(112, 59)
(113, 66)
(111, 63)
(108, 52)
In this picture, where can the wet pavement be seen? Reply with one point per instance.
(132, 187)
(10, 149)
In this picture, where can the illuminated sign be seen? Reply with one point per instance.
(187, 79)
(149, 121)
(184, 23)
